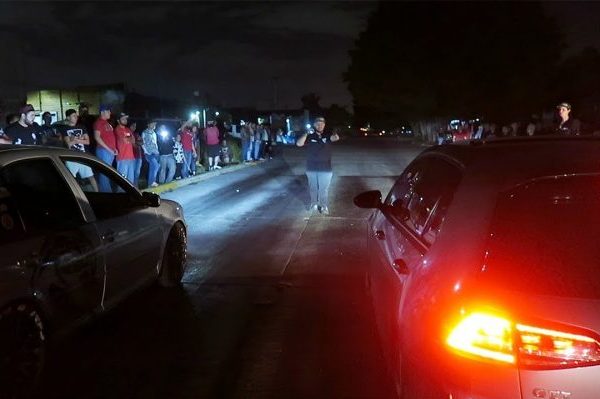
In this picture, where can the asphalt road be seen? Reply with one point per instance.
(273, 303)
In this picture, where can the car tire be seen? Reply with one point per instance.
(174, 257)
(22, 349)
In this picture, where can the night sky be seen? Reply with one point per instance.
(235, 52)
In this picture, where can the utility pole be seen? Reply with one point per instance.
(276, 92)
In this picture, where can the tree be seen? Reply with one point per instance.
(337, 116)
(310, 102)
(418, 60)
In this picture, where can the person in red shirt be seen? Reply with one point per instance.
(213, 144)
(125, 142)
(106, 146)
(189, 150)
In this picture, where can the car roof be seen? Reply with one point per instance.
(9, 152)
(522, 158)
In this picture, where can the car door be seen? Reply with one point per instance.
(388, 243)
(49, 250)
(130, 230)
(415, 211)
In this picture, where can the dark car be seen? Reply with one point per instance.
(484, 272)
(70, 250)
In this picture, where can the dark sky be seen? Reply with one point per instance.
(232, 51)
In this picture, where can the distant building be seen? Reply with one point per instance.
(57, 101)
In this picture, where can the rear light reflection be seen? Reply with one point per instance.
(497, 338)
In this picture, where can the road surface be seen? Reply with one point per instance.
(273, 303)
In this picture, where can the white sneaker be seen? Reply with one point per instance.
(154, 184)
(217, 167)
(314, 208)
(324, 210)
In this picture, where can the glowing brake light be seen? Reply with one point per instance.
(485, 336)
(497, 338)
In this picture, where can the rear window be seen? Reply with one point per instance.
(545, 238)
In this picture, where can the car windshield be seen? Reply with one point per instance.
(544, 238)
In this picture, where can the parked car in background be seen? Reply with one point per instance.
(71, 249)
(484, 279)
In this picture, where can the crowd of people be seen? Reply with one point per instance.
(565, 125)
(258, 141)
(168, 155)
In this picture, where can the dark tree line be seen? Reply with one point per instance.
(501, 60)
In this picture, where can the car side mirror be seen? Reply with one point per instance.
(151, 199)
(368, 199)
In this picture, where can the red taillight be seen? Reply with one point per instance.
(492, 337)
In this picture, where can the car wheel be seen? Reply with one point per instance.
(174, 257)
(22, 349)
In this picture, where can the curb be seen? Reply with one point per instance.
(175, 184)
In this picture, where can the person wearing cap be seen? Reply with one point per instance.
(106, 144)
(76, 138)
(24, 132)
(566, 125)
(125, 154)
(318, 164)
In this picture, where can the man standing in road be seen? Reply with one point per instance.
(567, 125)
(23, 132)
(125, 143)
(106, 145)
(318, 164)
(76, 138)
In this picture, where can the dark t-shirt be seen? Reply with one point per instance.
(22, 135)
(318, 152)
(73, 131)
(165, 145)
(48, 135)
(572, 127)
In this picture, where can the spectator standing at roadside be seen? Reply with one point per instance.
(10, 119)
(48, 134)
(224, 152)
(138, 154)
(258, 144)
(566, 125)
(180, 166)
(167, 160)
(189, 151)
(195, 144)
(106, 144)
(530, 130)
(213, 141)
(246, 142)
(76, 138)
(318, 164)
(24, 131)
(125, 155)
(150, 148)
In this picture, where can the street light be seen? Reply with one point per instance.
(217, 113)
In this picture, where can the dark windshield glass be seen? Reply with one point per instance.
(545, 238)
